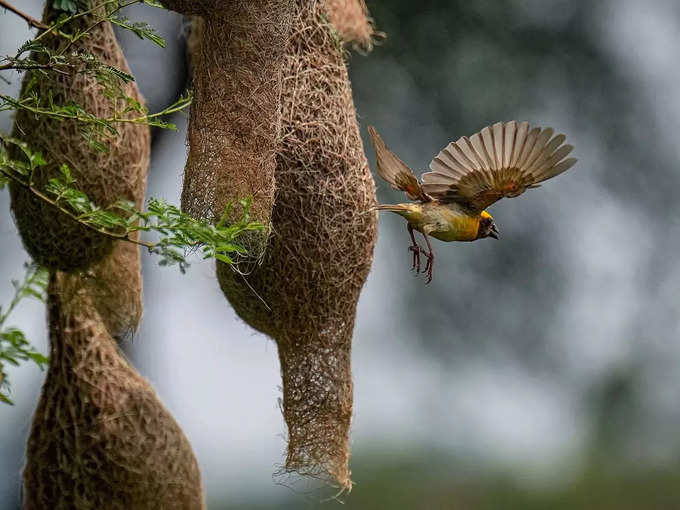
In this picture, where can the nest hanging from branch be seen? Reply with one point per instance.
(320, 250)
(304, 292)
(52, 238)
(100, 437)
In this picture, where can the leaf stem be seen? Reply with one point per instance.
(12, 103)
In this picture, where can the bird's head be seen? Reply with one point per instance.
(487, 227)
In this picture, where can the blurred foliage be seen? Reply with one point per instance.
(438, 483)
(446, 69)
(463, 65)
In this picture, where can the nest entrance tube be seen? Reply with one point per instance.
(317, 406)
(236, 52)
(320, 250)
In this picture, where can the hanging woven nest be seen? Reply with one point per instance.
(305, 292)
(100, 437)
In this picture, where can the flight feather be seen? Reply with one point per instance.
(502, 160)
(395, 171)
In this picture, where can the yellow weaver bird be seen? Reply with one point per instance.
(466, 177)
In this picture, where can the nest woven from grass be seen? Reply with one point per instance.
(100, 437)
(236, 54)
(52, 238)
(320, 250)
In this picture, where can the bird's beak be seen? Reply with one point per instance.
(494, 232)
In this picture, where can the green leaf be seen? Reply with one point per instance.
(38, 359)
(69, 6)
(14, 347)
(124, 77)
(37, 160)
(141, 29)
(223, 258)
(66, 174)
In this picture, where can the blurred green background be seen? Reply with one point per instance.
(538, 372)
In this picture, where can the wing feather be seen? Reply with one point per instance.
(447, 159)
(502, 160)
(551, 158)
(469, 152)
(478, 149)
(488, 147)
(508, 141)
(538, 148)
(457, 151)
(498, 143)
(395, 171)
(546, 154)
(520, 140)
(438, 178)
(563, 166)
(527, 147)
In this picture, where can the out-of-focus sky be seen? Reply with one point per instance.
(525, 355)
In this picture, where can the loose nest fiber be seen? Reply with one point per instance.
(352, 21)
(320, 250)
(50, 237)
(236, 54)
(100, 437)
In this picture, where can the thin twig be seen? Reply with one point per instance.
(29, 67)
(29, 19)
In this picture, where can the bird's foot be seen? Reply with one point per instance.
(428, 266)
(416, 257)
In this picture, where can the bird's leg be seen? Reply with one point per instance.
(430, 259)
(416, 249)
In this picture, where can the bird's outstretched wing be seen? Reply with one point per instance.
(394, 171)
(502, 160)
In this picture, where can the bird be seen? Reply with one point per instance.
(467, 176)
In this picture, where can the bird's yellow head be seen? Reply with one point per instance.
(487, 227)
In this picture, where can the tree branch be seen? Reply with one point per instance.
(29, 19)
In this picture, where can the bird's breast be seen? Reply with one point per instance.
(449, 224)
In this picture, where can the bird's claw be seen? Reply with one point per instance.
(428, 267)
(417, 250)
(416, 257)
